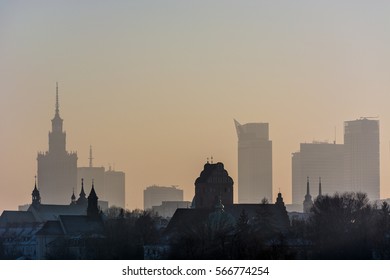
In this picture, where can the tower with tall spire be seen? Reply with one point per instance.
(57, 168)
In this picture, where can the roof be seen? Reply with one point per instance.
(16, 218)
(186, 218)
(51, 212)
(74, 225)
(213, 170)
(51, 228)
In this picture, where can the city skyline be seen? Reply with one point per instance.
(154, 87)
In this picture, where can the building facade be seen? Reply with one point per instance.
(214, 184)
(57, 168)
(155, 195)
(254, 162)
(315, 160)
(110, 184)
(361, 157)
(114, 185)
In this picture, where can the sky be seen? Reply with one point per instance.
(154, 86)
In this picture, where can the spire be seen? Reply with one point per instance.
(82, 193)
(90, 156)
(73, 198)
(57, 103)
(308, 202)
(57, 121)
(92, 208)
(82, 200)
(36, 197)
(319, 189)
(307, 187)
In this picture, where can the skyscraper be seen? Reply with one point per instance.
(361, 157)
(254, 162)
(57, 168)
(114, 184)
(110, 184)
(314, 160)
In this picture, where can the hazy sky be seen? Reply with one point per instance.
(154, 86)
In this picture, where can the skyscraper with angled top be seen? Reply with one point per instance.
(254, 162)
(57, 168)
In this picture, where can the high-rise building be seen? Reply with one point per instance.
(114, 184)
(315, 160)
(155, 195)
(57, 168)
(110, 185)
(361, 157)
(91, 173)
(254, 162)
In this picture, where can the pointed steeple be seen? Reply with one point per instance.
(307, 187)
(57, 112)
(73, 198)
(319, 188)
(82, 197)
(308, 202)
(36, 197)
(93, 209)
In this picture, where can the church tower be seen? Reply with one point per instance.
(57, 168)
(92, 208)
(36, 197)
(308, 202)
(213, 184)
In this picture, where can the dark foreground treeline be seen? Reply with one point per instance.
(343, 226)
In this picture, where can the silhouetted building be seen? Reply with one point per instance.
(308, 202)
(168, 208)
(114, 184)
(155, 195)
(52, 231)
(214, 183)
(254, 162)
(209, 210)
(109, 184)
(57, 168)
(49, 212)
(361, 157)
(317, 159)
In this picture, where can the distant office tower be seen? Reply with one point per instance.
(57, 168)
(314, 160)
(361, 156)
(155, 195)
(91, 173)
(114, 184)
(254, 162)
(110, 185)
(213, 186)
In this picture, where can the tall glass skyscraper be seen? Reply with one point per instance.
(254, 162)
(361, 157)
